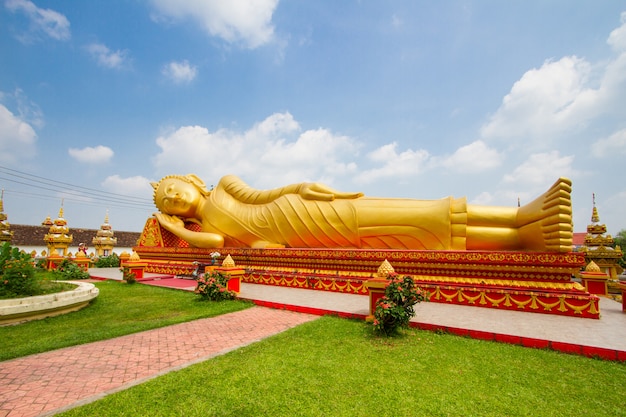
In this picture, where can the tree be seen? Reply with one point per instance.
(620, 240)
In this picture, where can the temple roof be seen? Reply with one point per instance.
(26, 235)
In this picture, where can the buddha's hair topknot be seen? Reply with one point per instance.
(189, 178)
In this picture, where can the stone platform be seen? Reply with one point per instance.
(522, 281)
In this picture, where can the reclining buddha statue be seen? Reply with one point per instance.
(313, 215)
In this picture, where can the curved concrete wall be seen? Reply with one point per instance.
(18, 310)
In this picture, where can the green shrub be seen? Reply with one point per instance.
(129, 276)
(41, 264)
(69, 270)
(214, 286)
(111, 261)
(395, 309)
(17, 273)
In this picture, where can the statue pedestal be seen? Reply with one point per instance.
(235, 275)
(53, 261)
(376, 288)
(136, 268)
(538, 282)
(622, 287)
(83, 262)
(595, 282)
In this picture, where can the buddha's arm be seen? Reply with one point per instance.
(234, 186)
(197, 239)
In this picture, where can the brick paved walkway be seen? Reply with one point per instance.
(50, 382)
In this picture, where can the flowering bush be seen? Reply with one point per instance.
(69, 270)
(17, 273)
(214, 286)
(395, 309)
(128, 276)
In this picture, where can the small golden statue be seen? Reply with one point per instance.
(313, 215)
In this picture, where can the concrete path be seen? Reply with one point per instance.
(609, 332)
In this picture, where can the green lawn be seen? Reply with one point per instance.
(119, 309)
(335, 367)
(328, 367)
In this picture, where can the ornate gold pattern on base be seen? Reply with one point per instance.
(553, 303)
(522, 281)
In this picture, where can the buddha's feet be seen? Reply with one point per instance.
(545, 224)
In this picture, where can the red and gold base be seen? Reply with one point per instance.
(524, 281)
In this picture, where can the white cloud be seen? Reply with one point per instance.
(180, 72)
(613, 145)
(27, 111)
(271, 153)
(17, 138)
(136, 186)
(542, 168)
(545, 103)
(107, 58)
(276, 124)
(617, 38)
(475, 157)
(313, 149)
(484, 199)
(47, 21)
(528, 180)
(236, 21)
(562, 98)
(404, 164)
(97, 155)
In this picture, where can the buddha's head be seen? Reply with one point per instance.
(179, 195)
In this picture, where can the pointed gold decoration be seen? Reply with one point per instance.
(592, 267)
(385, 269)
(228, 262)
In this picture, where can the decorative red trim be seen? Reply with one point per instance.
(567, 347)
(531, 342)
(593, 351)
(507, 338)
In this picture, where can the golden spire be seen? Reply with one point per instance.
(595, 218)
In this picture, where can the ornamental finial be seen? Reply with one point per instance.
(595, 218)
(385, 269)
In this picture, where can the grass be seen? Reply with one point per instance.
(336, 367)
(119, 309)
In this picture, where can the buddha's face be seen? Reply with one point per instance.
(177, 197)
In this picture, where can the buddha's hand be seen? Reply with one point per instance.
(316, 191)
(171, 223)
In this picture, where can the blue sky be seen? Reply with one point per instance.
(490, 100)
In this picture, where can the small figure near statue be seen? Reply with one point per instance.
(313, 215)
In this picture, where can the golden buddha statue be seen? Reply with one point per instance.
(312, 215)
